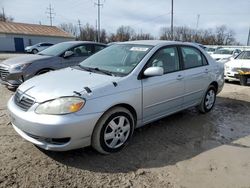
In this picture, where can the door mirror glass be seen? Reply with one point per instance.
(154, 71)
(68, 54)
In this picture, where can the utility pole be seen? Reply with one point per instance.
(96, 33)
(99, 5)
(248, 41)
(79, 25)
(51, 13)
(198, 20)
(172, 19)
(4, 19)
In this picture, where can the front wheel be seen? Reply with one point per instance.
(208, 100)
(113, 130)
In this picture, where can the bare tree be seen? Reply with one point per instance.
(221, 36)
(124, 33)
(143, 36)
(69, 28)
(5, 18)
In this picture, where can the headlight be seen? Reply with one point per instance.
(60, 106)
(224, 60)
(20, 67)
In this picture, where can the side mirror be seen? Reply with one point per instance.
(235, 54)
(153, 71)
(68, 54)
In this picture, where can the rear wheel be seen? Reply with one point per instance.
(113, 130)
(208, 100)
(34, 51)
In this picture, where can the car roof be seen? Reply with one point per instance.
(83, 42)
(158, 42)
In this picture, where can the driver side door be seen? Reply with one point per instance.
(163, 95)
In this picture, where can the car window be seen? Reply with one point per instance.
(120, 59)
(82, 50)
(99, 48)
(48, 44)
(244, 55)
(167, 58)
(192, 57)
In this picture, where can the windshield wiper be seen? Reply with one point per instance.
(104, 71)
(85, 68)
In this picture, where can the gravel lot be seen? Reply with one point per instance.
(187, 149)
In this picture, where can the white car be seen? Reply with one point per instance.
(240, 63)
(223, 55)
(37, 47)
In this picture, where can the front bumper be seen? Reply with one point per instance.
(41, 129)
(231, 76)
(11, 79)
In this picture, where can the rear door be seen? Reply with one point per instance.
(196, 75)
(163, 95)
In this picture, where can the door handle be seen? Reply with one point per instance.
(206, 70)
(179, 77)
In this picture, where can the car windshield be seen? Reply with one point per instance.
(118, 59)
(224, 51)
(56, 49)
(244, 55)
(210, 49)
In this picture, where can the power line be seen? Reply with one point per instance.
(99, 5)
(51, 14)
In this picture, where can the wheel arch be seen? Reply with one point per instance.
(215, 84)
(44, 69)
(128, 107)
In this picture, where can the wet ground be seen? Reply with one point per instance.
(187, 149)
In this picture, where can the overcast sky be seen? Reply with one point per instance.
(146, 15)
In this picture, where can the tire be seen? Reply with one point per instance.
(34, 51)
(43, 71)
(243, 80)
(208, 100)
(110, 137)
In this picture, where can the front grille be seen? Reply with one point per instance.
(4, 72)
(23, 101)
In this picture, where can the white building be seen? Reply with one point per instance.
(14, 37)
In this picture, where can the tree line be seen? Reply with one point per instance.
(221, 35)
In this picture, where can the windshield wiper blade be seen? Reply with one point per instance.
(85, 68)
(103, 71)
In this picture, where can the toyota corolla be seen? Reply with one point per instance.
(102, 100)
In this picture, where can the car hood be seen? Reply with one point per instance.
(220, 56)
(67, 82)
(24, 59)
(234, 63)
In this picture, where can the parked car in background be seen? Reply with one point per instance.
(239, 67)
(224, 55)
(102, 100)
(210, 50)
(16, 70)
(38, 47)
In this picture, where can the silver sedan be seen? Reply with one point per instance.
(15, 71)
(102, 100)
